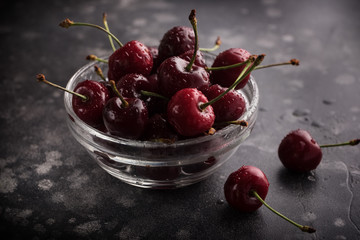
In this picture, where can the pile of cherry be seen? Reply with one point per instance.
(169, 93)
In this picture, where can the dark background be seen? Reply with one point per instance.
(51, 189)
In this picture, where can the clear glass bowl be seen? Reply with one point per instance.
(154, 164)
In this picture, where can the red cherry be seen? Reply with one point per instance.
(90, 111)
(176, 41)
(125, 117)
(185, 115)
(133, 57)
(239, 185)
(246, 190)
(127, 122)
(230, 107)
(227, 77)
(299, 152)
(131, 85)
(176, 73)
(88, 101)
(173, 76)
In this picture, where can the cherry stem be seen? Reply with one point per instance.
(99, 72)
(293, 62)
(350, 143)
(303, 228)
(153, 94)
(68, 23)
(225, 67)
(124, 103)
(251, 63)
(107, 28)
(215, 47)
(192, 18)
(41, 78)
(92, 57)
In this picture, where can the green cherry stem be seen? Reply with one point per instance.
(107, 28)
(251, 63)
(193, 21)
(68, 23)
(124, 103)
(303, 228)
(214, 48)
(293, 62)
(350, 143)
(41, 78)
(225, 67)
(153, 94)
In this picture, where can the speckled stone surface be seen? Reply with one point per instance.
(51, 189)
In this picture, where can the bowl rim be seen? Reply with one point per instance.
(251, 110)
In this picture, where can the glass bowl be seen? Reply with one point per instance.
(158, 165)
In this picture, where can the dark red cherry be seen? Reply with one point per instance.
(89, 99)
(90, 110)
(230, 107)
(227, 77)
(246, 190)
(176, 41)
(199, 59)
(133, 57)
(299, 152)
(186, 116)
(173, 76)
(176, 73)
(238, 187)
(131, 85)
(125, 121)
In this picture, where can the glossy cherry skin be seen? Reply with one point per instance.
(130, 85)
(238, 187)
(127, 122)
(185, 115)
(199, 58)
(227, 77)
(230, 107)
(176, 41)
(90, 110)
(133, 57)
(173, 76)
(299, 152)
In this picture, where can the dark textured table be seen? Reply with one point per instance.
(51, 189)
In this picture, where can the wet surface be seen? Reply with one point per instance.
(51, 189)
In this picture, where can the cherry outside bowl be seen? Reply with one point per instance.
(154, 164)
